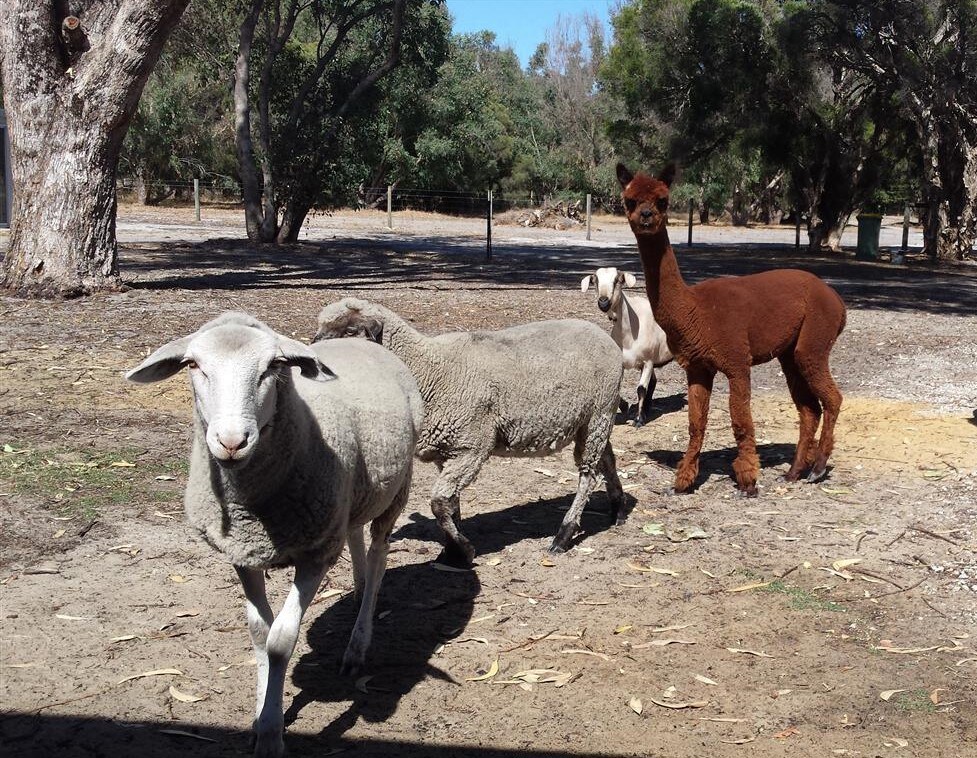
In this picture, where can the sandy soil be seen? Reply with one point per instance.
(764, 638)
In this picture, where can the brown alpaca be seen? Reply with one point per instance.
(731, 324)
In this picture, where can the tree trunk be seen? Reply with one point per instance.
(292, 220)
(71, 86)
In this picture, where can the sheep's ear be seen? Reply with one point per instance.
(623, 175)
(162, 364)
(629, 280)
(586, 282)
(667, 176)
(294, 353)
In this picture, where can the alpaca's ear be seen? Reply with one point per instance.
(623, 175)
(629, 280)
(586, 282)
(668, 174)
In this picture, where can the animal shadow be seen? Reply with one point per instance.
(420, 609)
(721, 461)
(492, 531)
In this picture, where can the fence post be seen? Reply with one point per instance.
(390, 204)
(488, 229)
(196, 197)
(588, 215)
(690, 222)
(905, 228)
(797, 230)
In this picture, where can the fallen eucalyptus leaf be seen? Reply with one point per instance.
(705, 680)
(183, 697)
(636, 705)
(748, 652)
(182, 733)
(154, 672)
(887, 694)
(653, 529)
(747, 587)
(492, 671)
(679, 706)
(686, 532)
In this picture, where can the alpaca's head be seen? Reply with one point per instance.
(646, 199)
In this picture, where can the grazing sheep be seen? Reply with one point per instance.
(285, 468)
(523, 391)
(731, 324)
(633, 327)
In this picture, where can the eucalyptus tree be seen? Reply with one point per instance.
(71, 84)
(923, 55)
(302, 68)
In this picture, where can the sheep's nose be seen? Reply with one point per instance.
(646, 213)
(604, 304)
(233, 442)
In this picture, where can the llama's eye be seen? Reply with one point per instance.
(662, 204)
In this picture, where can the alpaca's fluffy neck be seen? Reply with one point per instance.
(669, 295)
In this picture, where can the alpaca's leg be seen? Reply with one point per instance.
(823, 385)
(700, 390)
(746, 467)
(809, 410)
(456, 474)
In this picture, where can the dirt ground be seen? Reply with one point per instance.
(816, 620)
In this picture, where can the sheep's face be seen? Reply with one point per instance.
(646, 199)
(341, 320)
(610, 284)
(236, 371)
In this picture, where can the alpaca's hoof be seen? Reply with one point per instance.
(563, 538)
(817, 476)
(790, 476)
(557, 549)
(456, 556)
(269, 745)
(750, 491)
(675, 491)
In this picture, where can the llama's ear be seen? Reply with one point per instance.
(586, 282)
(668, 174)
(623, 175)
(629, 280)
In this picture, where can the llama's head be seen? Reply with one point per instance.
(646, 199)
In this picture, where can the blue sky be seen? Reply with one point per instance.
(521, 24)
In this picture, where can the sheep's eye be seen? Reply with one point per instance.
(662, 204)
(192, 365)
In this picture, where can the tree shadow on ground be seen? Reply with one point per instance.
(435, 262)
(30, 735)
(721, 461)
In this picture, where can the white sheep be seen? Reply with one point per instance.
(633, 327)
(524, 391)
(285, 468)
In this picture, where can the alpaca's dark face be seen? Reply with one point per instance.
(646, 199)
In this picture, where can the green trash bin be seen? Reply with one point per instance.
(869, 227)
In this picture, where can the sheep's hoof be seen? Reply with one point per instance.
(556, 549)
(456, 556)
(269, 745)
(817, 476)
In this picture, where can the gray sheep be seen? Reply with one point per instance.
(528, 390)
(286, 468)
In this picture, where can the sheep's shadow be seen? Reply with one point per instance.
(492, 531)
(420, 609)
(721, 461)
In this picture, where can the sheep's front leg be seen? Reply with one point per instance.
(260, 619)
(456, 474)
(281, 639)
